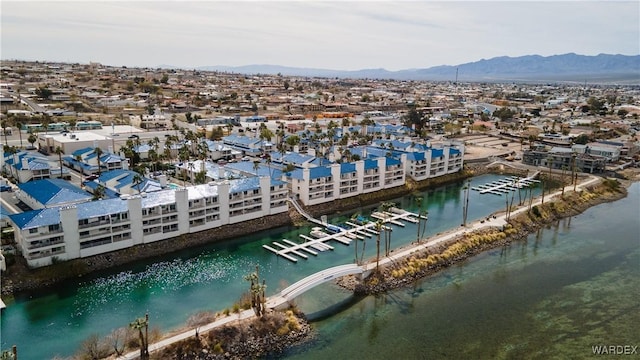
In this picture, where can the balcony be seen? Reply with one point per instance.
(45, 253)
(92, 233)
(151, 222)
(94, 224)
(44, 243)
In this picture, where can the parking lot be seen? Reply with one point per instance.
(483, 146)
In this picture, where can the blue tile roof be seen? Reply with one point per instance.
(159, 198)
(241, 141)
(110, 158)
(202, 191)
(319, 172)
(50, 192)
(271, 170)
(296, 158)
(295, 174)
(415, 156)
(397, 144)
(370, 164)
(108, 193)
(110, 175)
(34, 161)
(436, 153)
(275, 182)
(36, 218)
(246, 184)
(82, 151)
(320, 161)
(101, 207)
(347, 168)
(392, 161)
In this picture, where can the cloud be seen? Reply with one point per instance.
(339, 35)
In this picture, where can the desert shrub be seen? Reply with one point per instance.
(536, 211)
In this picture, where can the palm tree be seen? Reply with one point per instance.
(32, 139)
(379, 228)
(550, 162)
(574, 176)
(564, 168)
(385, 206)
(139, 324)
(268, 161)
(257, 293)
(98, 153)
(167, 148)
(419, 203)
(5, 125)
(137, 180)
(256, 166)
(425, 214)
(98, 192)
(19, 126)
(79, 160)
(59, 152)
(191, 167)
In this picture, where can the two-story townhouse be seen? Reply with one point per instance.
(24, 166)
(247, 145)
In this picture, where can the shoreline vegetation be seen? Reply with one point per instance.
(431, 259)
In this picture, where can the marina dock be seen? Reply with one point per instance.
(506, 185)
(317, 240)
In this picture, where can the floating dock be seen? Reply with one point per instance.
(317, 241)
(506, 185)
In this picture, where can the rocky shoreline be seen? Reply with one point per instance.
(19, 278)
(430, 260)
(255, 338)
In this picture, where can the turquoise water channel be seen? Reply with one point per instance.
(564, 290)
(176, 286)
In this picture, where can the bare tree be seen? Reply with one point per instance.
(118, 339)
(94, 349)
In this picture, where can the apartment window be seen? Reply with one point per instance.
(33, 231)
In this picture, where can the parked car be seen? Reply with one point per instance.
(4, 188)
(91, 177)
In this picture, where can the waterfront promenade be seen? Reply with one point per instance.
(279, 300)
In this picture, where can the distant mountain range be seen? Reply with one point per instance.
(602, 68)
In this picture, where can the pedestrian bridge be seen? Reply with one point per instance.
(311, 281)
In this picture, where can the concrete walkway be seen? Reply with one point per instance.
(245, 314)
(499, 222)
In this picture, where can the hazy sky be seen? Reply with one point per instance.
(344, 35)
